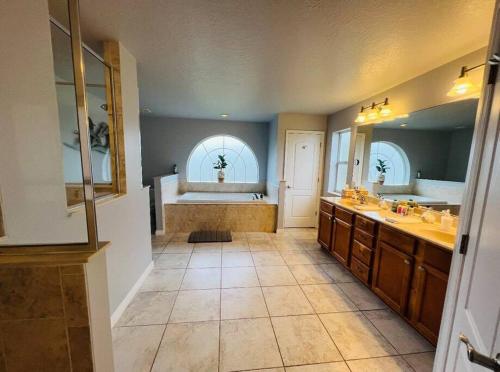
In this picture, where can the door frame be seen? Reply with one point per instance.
(320, 170)
(478, 151)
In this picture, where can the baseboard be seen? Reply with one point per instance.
(160, 232)
(130, 295)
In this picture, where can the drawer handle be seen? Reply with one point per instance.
(407, 262)
(421, 268)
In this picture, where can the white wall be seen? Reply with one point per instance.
(31, 165)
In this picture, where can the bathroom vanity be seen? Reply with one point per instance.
(405, 264)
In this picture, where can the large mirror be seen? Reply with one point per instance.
(423, 157)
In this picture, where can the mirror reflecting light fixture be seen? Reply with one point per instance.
(464, 85)
(377, 113)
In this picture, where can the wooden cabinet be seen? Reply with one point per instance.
(392, 276)
(430, 281)
(362, 248)
(342, 234)
(325, 229)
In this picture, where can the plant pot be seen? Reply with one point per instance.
(221, 175)
(381, 178)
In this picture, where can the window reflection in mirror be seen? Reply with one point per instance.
(100, 105)
(426, 155)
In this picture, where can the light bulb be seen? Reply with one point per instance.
(372, 114)
(385, 110)
(361, 118)
(462, 86)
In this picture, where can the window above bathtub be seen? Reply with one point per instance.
(242, 165)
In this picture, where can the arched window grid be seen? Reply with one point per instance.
(396, 159)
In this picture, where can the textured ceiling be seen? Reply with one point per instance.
(254, 58)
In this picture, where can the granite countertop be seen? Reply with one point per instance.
(422, 230)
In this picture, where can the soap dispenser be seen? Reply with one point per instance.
(446, 220)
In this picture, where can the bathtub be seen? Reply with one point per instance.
(220, 198)
(234, 211)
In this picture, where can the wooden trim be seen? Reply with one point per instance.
(112, 57)
(2, 228)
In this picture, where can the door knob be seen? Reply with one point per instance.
(288, 187)
(478, 358)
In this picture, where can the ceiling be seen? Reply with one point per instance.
(254, 58)
(451, 116)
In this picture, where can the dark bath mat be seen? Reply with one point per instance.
(210, 236)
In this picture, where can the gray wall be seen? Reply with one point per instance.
(458, 158)
(167, 141)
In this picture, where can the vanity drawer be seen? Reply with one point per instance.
(434, 256)
(363, 238)
(365, 224)
(326, 207)
(344, 215)
(396, 239)
(360, 270)
(361, 252)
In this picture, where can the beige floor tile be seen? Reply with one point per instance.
(422, 362)
(287, 246)
(257, 235)
(403, 337)
(275, 275)
(261, 245)
(281, 369)
(236, 259)
(309, 274)
(286, 300)
(328, 298)
(207, 247)
(233, 277)
(324, 367)
(236, 246)
(156, 256)
(238, 235)
(248, 344)
(267, 258)
(148, 308)
(237, 303)
(196, 306)
(180, 237)
(172, 261)
(387, 364)
(338, 273)
(206, 278)
(303, 340)
(134, 348)
(189, 347)
(321, 257)
(304, 233)
(362, 297)
(179, 247)
(158, 247)
(297, 258)
(163, 280)
(309, 244)
(355, 336)
(200, 260)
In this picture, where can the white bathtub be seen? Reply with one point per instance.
(220, 198)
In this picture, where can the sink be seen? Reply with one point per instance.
(444, 236)
(366, 207)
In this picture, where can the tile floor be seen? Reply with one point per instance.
(264, 302)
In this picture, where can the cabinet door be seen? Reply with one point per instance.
(430, 293)
(325, 229)
(392, 276)
(341, 247)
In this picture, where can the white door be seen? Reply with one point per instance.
(303, 164)
(477, 310)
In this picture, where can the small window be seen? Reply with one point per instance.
(242, 164)
(338, 163)
(396, 160)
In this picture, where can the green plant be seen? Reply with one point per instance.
(382, 167)
(221, 163)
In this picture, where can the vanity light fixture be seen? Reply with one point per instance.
(377, 113)
(464, 85)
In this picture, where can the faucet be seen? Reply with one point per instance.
(360, 197)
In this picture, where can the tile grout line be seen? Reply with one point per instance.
(168, 320)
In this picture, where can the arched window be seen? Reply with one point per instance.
(396, 160)
(242, 164)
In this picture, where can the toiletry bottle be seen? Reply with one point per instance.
(446, 220)
(394, 207)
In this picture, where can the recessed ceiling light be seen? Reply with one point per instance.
(403, 125)
(224, 115)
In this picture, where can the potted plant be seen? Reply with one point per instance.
(221, 165)
(382, 169)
